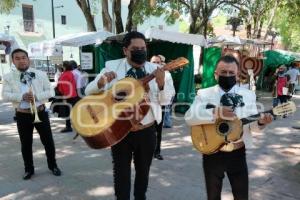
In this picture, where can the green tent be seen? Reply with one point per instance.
(273, 60)
(183, 78)
(210, 57)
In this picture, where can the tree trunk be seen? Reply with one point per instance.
(248, 28)
(117, 11)
(84, 6)
(129, 23)
(260, 27)
(106, 19)
(255, 28)
(193, 26)
(270, 22)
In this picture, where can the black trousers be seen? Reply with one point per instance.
(234, 165)
(140, 146)
(159, 132)
(25, 127)
(283, 98)
(71, 102)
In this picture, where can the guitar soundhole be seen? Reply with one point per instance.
(224, 128)
(120, 96)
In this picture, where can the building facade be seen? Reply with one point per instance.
(32, 21)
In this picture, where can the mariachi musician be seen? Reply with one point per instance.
(28, 89)
(139, 144)
(206, 109)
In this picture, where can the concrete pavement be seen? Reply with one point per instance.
(274, 165)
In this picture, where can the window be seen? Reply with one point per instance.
(63, 19)
(28, 19)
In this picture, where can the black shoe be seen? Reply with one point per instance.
(158, 157)
(27, 175)
(56, 171)
(67, 129)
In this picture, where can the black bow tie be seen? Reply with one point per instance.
(136, 73)
(26, 77)
(232, 100)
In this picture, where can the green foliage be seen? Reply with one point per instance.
(7, 5)
(287, 22)
(219, 20)
(170, 9)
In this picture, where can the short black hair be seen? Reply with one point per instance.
(132, 35)
(67, 66)
(73, 63)
(228, 59)
(18, 51)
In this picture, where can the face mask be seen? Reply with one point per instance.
(281, 72)
(138, 56)
(227, 82)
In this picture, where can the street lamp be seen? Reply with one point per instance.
(53, 19)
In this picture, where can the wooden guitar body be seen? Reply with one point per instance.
(106, 118)
(209, 138)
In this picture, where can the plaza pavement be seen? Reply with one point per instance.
(274, 165)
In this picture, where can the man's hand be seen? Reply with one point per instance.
(160, 78)
(265, 118)
(28, 97)
(225, 113)
(106, 78)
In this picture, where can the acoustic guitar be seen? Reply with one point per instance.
(209, 138)
(106, 118)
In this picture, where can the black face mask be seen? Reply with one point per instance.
(227, 82)
(138, 56)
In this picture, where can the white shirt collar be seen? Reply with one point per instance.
(232, 90)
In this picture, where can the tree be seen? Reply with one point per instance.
(287, 23)
(84, 5)
(118, 16)
(199, 11)
(106, 19)
(7, 5)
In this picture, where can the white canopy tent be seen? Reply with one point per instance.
(8, 43)
(175, 37)
(54, 47)
(224, 40)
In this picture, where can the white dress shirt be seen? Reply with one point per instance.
(13, 89)
(199, 114)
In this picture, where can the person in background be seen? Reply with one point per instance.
(59, 71)
(158, 59)
(78, 76)
(67, 88)
(84, 79)
(280, 90)
(211, 105)
(294, 74)
(17, 89)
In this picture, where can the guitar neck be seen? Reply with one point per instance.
(255, 117)
(179, 62)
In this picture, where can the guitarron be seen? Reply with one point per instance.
(209, 138)
(106, 118)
